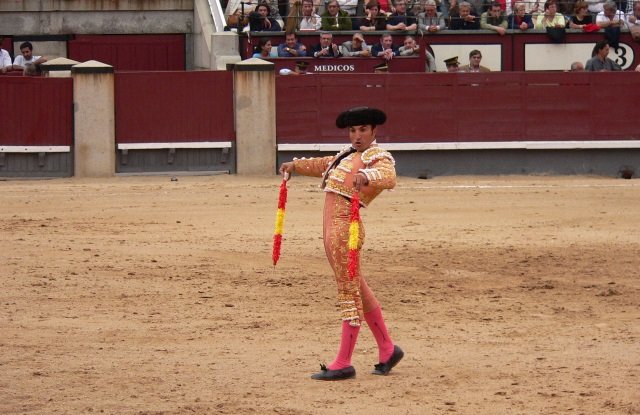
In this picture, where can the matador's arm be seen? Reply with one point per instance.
(314, 167)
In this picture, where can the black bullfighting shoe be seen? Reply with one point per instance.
(385, 368)
(338, 374)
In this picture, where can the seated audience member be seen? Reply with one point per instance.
(550, 17)
(402, 19)
(291, 47)
(452, 64)
(577, 67)
(326, 48)
(309, 20)
(520, 19)
(474, 63)
(27, 58)
(599, 61)
(581, 16)
(5, 59)
(409, 47)
(385, 48)
(610, 16)
(334, 18)
(430, 20)
(261, 20)
(633, 21)
(463, 19)
(356, 47)
(264, 49)
(638, 68)
(234, 12)
(494, 19)
(374, 19)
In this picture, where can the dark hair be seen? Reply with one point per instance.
(598, 47)
(549, 3)
(26, 45)
(261, 43)
(475, 52)
(579, 5)
(264, 4)
(495, 4)
(372, 3)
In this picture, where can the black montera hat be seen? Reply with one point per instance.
(360, 116)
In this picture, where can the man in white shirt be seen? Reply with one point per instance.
(309, 20)
(27, 58)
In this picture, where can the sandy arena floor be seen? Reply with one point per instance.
(141, 295)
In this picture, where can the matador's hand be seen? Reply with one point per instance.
(286, 169)
(360, 180)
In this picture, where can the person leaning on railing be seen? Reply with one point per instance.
(520, 19)
(431, 21)
(5, 59)
(374, 19)
(633, 21)
(581, 16)
(463, 19)
(356, 47)
(402, 19)
(550, 17)
(494, 19)
(261, 20)
(334, 18)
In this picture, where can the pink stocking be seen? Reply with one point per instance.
(347, 344)
(379, 329)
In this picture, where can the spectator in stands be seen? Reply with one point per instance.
(550, 18)
(261, 20)
(356, 47)
(431, 21)
(309, 19)
(577, 67)
(385, 49)
(610, 16)
(402, 19)
(464, 19)
(633, 21)
(374, 19)
(452, 64)
(599, 61)
(409, 47)
(520, 19)
(291, 47)
(638, 68)
(26, 58)
(581, 16)
(475, 57)
(264, 49)
(494, 19)
(334, 18)
(5, 59)
(326, 48)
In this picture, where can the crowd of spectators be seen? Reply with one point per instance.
(420, 17)
(26, 62)
(430, 16)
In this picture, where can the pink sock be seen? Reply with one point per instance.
(347, 344)
(379, 329)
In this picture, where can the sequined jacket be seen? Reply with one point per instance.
(375, 163)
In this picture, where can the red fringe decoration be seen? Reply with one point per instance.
(354, 254)
(277, 243)
(277, 237)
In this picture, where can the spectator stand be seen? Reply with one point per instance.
(516, 51)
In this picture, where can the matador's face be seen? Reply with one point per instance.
(361, 136)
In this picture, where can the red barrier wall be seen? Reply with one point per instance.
(463, 107)
(37, 111)
(131, 52)
(156, 107)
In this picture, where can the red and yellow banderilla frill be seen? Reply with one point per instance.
(277, 235)
(354, 234)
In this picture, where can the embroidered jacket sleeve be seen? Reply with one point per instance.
(314, 167)
(379, 168)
